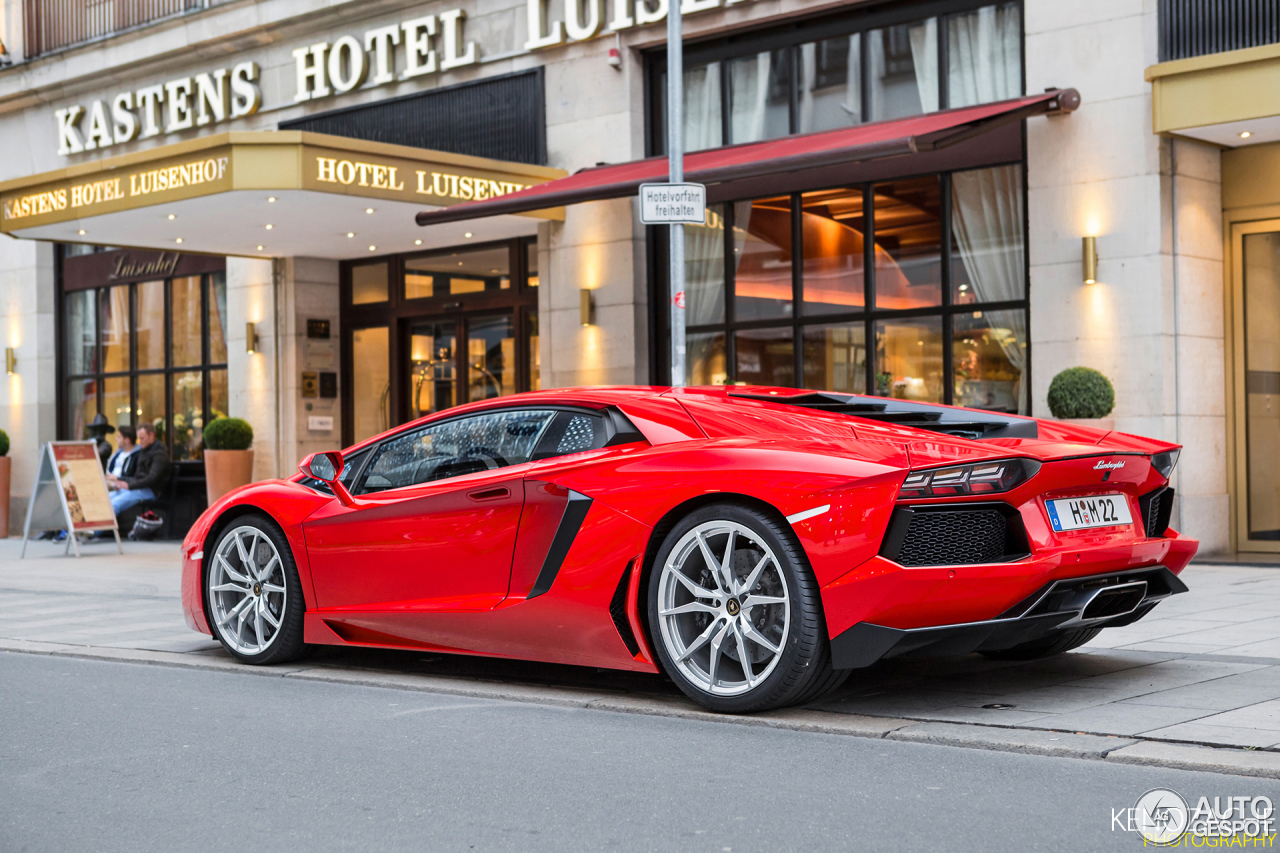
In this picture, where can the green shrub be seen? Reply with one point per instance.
(4, 443)
(1081, 392)
(228, 434)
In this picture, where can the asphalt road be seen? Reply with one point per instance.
(105, 757)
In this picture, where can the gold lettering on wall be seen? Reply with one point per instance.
(331, 170)
(464, 187)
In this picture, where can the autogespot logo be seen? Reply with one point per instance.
(1161, 816)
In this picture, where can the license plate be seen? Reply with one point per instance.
(1084, 513)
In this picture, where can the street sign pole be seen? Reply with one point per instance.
(675, 154)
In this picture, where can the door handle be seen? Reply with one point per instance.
(490, 494)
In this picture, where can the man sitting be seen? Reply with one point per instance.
(150, 472)
(121, 462)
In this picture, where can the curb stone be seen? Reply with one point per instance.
(1126, 750)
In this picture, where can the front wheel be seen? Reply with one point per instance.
(253, 593)
(735, 612)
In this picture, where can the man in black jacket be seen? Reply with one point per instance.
(150, 472)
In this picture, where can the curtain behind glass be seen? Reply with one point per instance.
(903, 69)
(987, 217)
(701, 108)
(704, 269)
(759, 97)
(984, 55)
(830, 84)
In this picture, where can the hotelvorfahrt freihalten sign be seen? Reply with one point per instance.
(663, 204)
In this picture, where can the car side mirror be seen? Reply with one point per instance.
(327, 468)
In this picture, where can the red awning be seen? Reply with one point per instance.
(893, 138)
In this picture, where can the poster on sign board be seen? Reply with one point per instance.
(70, 494)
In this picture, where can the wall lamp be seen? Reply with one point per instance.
(250, 338)
(10, 360)
(586, 307)
(1090, 259)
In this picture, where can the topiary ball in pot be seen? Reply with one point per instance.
(4, 443)
(1081, 392)
(228, 434)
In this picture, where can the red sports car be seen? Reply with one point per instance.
(754, 544)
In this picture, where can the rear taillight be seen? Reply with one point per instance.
(981, 478)
(1165, 462)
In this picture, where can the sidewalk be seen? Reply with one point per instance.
(1202, 670)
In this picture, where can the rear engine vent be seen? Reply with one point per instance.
(618, 610)
(1157, 509)
(955, 535)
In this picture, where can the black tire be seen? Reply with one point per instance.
(1054, 644)
(802, 671)
(285, 643)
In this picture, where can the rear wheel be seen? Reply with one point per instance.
(1045, 647)
(735, 612)
(253, 593)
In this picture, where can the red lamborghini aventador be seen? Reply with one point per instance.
(755, 544)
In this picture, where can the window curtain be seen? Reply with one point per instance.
(827, 111)
(702, 107)
(987, 217)
(924, 56)
(984, 56)
(749, 85)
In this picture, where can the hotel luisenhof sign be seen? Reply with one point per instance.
(418, 47)
(207, 173)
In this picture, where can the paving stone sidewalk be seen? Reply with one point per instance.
(1202, 668)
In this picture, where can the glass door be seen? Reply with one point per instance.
(1256, 323)
(442, 373)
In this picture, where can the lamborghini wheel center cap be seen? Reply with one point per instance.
(732, 607)
(257, 589)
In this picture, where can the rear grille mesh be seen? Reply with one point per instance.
(954, 538)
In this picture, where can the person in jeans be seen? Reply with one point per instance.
(121, 462)
(150, 472)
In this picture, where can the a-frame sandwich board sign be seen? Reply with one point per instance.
(70, 494)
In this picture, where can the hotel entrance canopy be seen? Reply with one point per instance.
(269, 194)
(925, 143)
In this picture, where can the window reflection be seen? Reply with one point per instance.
(370, 382)
(705, 359)
(762, 244)
(909, 359)
(903, 63)
(830, 84)
(218, 318)
(115, 329)
(369, 283)
(833, 251)
(766, 357)
(115, 402)
(989, 356)
(908, 238)
(835, 358)
(759, 96)
(434, 366)
(150, 331)
(491, 363)
(455, 273)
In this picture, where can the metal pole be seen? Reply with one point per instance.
(675, 155)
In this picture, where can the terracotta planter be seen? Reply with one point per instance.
(225, 470)
(1097, 423)
(6, 466)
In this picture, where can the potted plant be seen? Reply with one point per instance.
(6, 464)
(228, 461)
(1082, 395)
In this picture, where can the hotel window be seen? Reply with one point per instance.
(912, 287)
(154, 351)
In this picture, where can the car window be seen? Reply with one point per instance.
(456, 447)
(572, 432)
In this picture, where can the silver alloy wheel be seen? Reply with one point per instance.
(247, 590)
(724, 609)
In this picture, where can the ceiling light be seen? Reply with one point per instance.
(172, 216)
(417, 242)
(271, 198)
(351, 234)
(179, 240)
(373, 248)
(467, 235)
(368, 210)
(269, 227)
(1244, 134)
(259, 248)
(82, 231)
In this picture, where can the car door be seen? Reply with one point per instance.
(434, 528)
